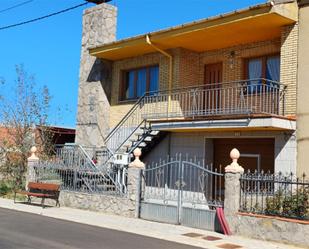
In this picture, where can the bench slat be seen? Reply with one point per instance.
(43, 186)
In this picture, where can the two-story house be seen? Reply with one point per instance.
(199, 89)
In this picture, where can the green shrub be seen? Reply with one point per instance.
(5, 188)
(295, 205)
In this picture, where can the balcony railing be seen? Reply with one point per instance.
(257, 96)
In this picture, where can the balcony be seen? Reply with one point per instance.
(260, 97)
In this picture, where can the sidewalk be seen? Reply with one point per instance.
(174, 233)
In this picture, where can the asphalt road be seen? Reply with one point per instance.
(20, 230)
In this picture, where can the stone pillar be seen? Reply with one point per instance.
(232, 188)
(134, 180)
(32, 161)
(95, 77)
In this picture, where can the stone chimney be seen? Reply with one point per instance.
(281, 1)
(99, 27)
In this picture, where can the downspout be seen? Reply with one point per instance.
(170, 74)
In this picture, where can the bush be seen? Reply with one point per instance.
(5, 188)
(295, 205)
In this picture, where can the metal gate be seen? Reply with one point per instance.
(182, 192)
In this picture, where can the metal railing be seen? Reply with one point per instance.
(126, 127)
(81, 180)
(256, 96)
(183, 179)
(76, 158)
(275, 194)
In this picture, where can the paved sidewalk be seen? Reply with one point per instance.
(203, 239)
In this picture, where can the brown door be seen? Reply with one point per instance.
(212, 80)
(250, 148)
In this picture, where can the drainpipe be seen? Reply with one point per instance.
(170, 74)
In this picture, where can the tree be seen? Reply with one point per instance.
(21, 110)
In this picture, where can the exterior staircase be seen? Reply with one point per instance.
(133, 131)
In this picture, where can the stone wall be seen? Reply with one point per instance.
(271, 228)
(124, 206)
(99, 27)
(261, 227)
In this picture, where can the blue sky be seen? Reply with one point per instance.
(50, 49)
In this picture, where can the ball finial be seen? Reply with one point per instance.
(234, 154)
(137, 152)
(234, 167)
(137, 163)
(33, 156)
(33, 149)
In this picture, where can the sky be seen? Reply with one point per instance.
(50, 49)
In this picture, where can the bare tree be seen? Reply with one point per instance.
(20, 111)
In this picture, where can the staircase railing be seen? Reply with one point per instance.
(129, 124)
(75, 157)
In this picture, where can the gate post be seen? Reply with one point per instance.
(232, 176)
(134, 180)
(32, 161)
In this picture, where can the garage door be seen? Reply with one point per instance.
(261, 147)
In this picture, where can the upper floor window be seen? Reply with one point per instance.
(266, 67)
(137, 82)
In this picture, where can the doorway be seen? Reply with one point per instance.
(212, 80)
(254, 152)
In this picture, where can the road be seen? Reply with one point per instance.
(19, 230)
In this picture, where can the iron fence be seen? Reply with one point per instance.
(112, 181)
(275, 194)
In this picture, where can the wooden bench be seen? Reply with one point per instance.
(41, 190)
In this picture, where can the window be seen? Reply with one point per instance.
(265, 67)
(137, 82)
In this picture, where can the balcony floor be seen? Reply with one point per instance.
(227, 122)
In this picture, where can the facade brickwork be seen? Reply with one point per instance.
(189, 66)
(288, 73)
(233, 58)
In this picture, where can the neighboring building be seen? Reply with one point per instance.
(59, 135)
(56, 135)
(215, 84)
(303, 89)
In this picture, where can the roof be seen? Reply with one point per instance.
(256, 23)
(59, 129)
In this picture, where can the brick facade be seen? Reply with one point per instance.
(288, 73)
(188, 67)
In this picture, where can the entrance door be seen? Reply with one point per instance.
(254, 152)
(212, 80)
